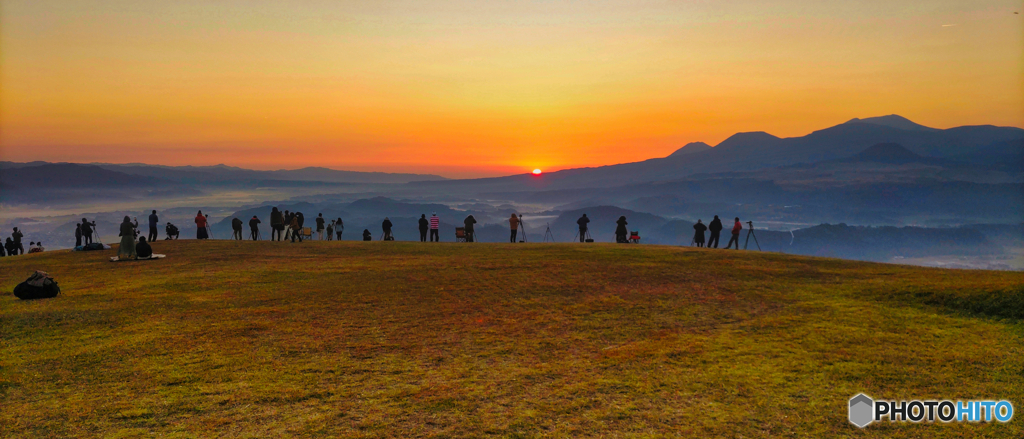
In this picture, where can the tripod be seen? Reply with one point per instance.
(522, 229)
(548, 236)
(750, 232)
(586, 236)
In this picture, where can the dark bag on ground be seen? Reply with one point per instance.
(38, 286)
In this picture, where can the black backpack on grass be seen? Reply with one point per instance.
(38, 286)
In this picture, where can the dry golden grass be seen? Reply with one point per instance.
(396, 339)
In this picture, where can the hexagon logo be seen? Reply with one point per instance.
(861, 410)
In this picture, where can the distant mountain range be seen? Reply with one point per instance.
(982, 145)
(69, 176)
(220, 174)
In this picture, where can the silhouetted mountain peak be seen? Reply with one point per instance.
(748, 140)
(71, 175)
(893, 121)
(888, 153)
(691, 148)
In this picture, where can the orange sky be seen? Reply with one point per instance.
(473, 88)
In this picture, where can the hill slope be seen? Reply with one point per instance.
(242, 339)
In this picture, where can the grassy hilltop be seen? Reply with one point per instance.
(399, 339)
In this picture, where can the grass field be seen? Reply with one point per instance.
(396, 339)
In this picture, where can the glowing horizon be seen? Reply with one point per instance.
(471, 88)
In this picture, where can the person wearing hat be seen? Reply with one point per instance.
(435, 223)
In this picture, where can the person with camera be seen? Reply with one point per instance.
(87, 228)
(582, 222)
(254, 228)
(513, 224)
(201, 231)
(621, 231)
(171, 230)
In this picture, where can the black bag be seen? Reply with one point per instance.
(93, 246)
(38, 286)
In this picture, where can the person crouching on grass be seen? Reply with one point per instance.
(142, 249)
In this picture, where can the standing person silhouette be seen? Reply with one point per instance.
(715, 227)
(201, 232)
(288, 216)
(468, 222)
(513, 224)
(296, 227)
(276, 225)
(582, 222)
(339, 227)
(254, 228)
(153, 220)
(17, 235)
(435, 224)
(735, 234)
(236, 229)
(386, 226)
(424, 227)
(126, 250)
(320, 226)
(621, 231)
(698, 233)
(78, 234)
(87, 230)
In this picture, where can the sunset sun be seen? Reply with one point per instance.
(536, 171)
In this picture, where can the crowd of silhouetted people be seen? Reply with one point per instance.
(289, 225)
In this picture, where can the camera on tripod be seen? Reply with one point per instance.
(750, 232)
